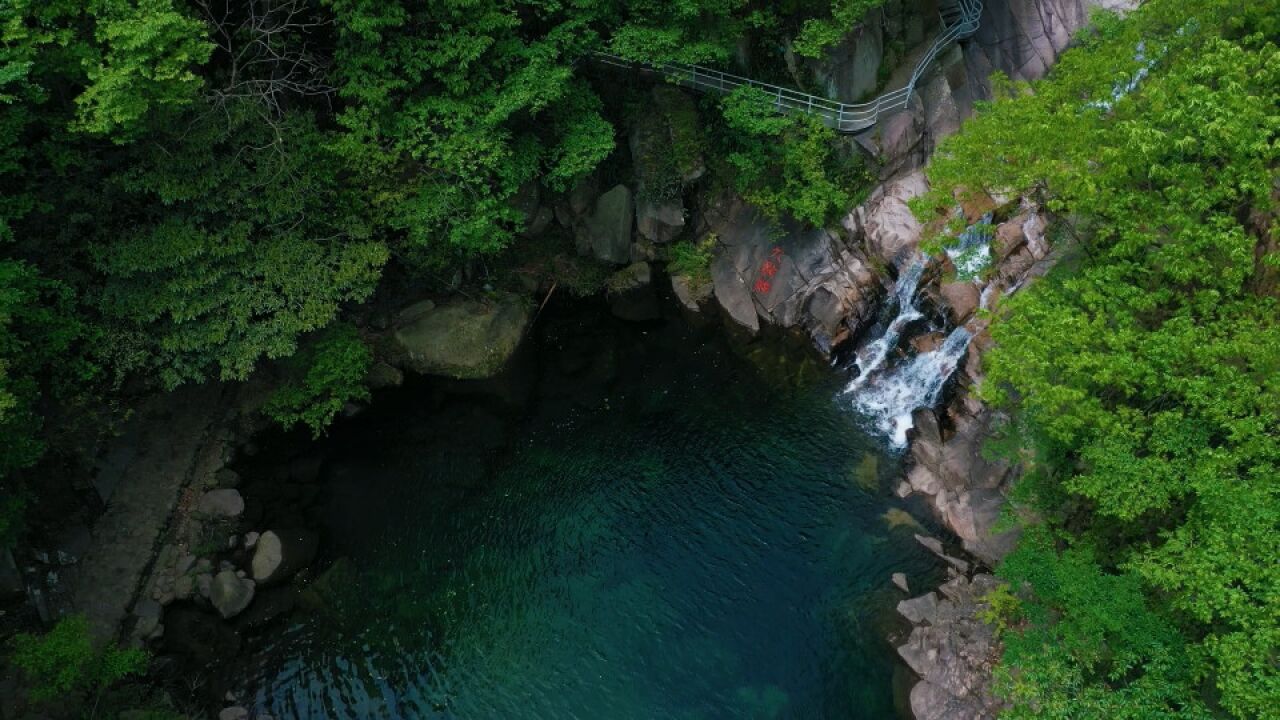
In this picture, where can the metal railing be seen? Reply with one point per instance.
(960, 19)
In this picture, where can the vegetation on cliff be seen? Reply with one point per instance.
(193, 188)
(1144, 374)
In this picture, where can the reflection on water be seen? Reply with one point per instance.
(639, 526)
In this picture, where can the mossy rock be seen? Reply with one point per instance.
(463, 339)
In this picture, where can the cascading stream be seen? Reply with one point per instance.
(872, 358)
(887, 394)
(889, 398)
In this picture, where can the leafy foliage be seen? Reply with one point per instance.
(260, 245)
(688, 31)
(145, 63)
(692, 258)
(325, 377)
(447, 126)
(817, 34)
(66, 660)
(1090, 644)
(788, 164)
(1145, 373)
(38, 332)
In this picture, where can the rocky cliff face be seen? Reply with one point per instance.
(833, 299)
(829, 298)
(829, 284)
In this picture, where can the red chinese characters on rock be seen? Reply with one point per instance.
(768, 269)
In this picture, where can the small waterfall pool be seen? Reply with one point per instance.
(638, 521)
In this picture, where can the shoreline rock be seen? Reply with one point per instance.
(230, 594)
(279, 554)
(462, 338)
(952, 649)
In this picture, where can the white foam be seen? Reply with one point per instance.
(888, 399)
(871, 358)
(971, 253)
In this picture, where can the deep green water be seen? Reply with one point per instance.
(637, 523)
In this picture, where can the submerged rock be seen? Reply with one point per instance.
(631, 295)
(230, 594)
(900, 581)
(464, 339)
(337, 582)
(281, 553)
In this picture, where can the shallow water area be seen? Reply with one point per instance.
(636, 521)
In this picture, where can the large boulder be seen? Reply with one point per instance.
(942, 113)
(691, 292)
(890, 227)
(966, 488)
(666, 154)
(897, 140)
(850, 70)
(1023, 38)
(789, 275)
(382, 375)
(733, 293)
(11, 583)
(962, 299)
(224, 503)
(659, 219)
(230, 594)
(281, 553)
(609, 228)
(465, 339)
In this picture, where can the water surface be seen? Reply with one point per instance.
(638, 522)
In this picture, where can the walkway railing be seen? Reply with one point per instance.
(960, 19)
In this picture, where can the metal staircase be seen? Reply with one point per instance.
(960, 19)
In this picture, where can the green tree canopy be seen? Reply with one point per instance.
(1146, 371)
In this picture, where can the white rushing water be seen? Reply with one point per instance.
(971, 253)
(886, 394)
(872, 358)
(889, 398)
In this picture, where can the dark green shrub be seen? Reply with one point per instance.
(788, 164)
(323, 378)
(692, 258)
(67, 660)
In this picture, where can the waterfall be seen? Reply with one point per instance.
(887, 394)
(872, 357)
(984, 300)
(888, 399)
(971, 253)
